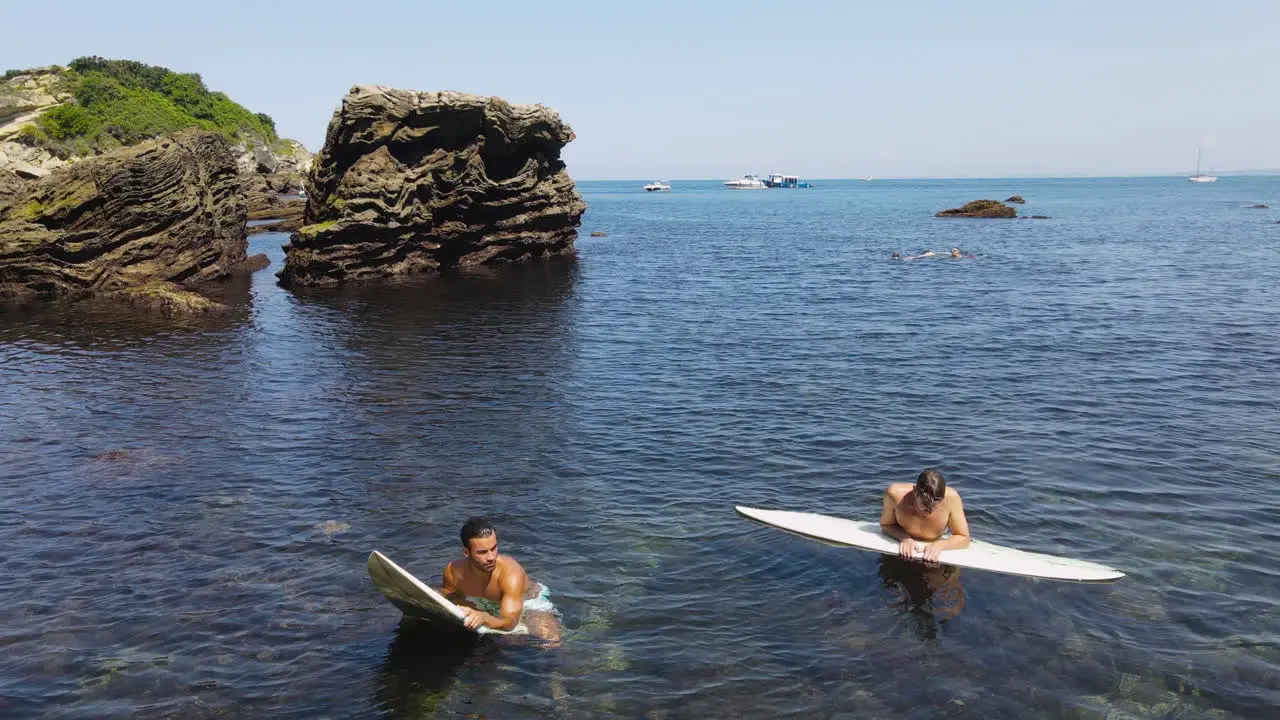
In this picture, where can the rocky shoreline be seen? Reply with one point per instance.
(407, 182)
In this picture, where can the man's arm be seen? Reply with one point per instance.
(449, 588)
(889, 524)
(959, 538)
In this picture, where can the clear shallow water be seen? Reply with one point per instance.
(187, 508)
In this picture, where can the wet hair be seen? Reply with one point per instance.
(931, 487)
(476, 527)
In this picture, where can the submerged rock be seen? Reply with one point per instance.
(598, 233)
(1259, 206)
(433, 181)
(167, 210)
(1016, 199)
(168, 299)
(980, 209)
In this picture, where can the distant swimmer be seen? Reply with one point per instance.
(956, 254)
(924, 511)
(895, 255)
(921, 256)
(503, 594)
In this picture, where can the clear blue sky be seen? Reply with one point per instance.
(693, 89)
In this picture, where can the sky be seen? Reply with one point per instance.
(710, 89)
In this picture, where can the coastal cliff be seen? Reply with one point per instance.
(158, 214)
(55, 116)
(413, 181)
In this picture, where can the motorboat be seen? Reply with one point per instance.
(746, 182)
(785, 181)
(658, 186)
(1198, 177)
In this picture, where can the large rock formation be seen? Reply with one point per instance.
(168, 210)
(980, 209)
(430, 181)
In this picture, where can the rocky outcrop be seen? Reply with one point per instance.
(163, 211)
(1016, 199)
(433, 181)
(280, 168)
(1259, 206)
(980, 209)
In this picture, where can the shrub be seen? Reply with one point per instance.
(124, 101)
(67, 121)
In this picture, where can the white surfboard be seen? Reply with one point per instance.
(419, 600)
(979, 555)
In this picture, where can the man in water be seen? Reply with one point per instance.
(923, 512)
(504, 593)
(921, 256)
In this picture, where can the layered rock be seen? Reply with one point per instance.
(980, 209)
(433, 181)
(1017, 199)
(162, 211)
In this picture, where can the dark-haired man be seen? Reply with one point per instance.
(923, 512)
(504, 595)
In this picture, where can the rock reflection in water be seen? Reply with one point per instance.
(929, 596)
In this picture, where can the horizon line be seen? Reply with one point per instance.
(1222, 174)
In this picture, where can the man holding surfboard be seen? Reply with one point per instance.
(502, 590)
(923, 512)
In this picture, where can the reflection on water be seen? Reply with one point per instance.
(421, 666)
(929, 595)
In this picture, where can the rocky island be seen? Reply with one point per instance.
(980, 209)
(412, 181)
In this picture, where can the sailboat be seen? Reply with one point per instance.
(1198, 178)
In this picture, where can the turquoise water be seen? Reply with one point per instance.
(188, 507)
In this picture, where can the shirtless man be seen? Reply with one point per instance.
(502, 590)
(923, 512)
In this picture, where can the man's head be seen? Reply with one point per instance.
(955, 252)
(480, 543)
(931, 487)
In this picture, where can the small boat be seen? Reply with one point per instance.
(1198, 177)
(785, 181)
(746, 182)
(658, 186)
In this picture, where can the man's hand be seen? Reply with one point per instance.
(907, 548)
(472, 618)
(932, 551)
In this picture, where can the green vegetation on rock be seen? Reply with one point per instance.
(123, 102)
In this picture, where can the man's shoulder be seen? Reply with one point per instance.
(510, 571)
(509, 564)
(898, 490)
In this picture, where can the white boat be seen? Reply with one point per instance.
(1198, 177)
(746, 182)
(658, 186)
